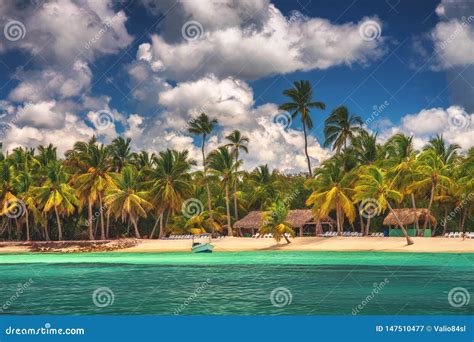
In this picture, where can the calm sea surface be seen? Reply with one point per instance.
(244, 283)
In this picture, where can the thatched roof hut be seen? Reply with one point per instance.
(408, 216)
(297, 218)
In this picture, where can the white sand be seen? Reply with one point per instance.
(234, 244)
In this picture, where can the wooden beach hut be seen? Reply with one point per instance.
(409, 217)
(302, 221)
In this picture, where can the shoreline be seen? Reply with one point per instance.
(237, 244)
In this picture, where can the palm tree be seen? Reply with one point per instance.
(275, 223)
(262, 187)
(204, 222)
(127, 199)
(374, 184)
(93, 181)
(401, 162)
(203, 126)
(56, 194)
(121, 153)
(237, 142)
(170, 183)
(223, 165)
(447, 153)
(9, 201)
(332, 190)
(301, 97)
(340, 127)
(432, 174)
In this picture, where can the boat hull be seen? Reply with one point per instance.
(203, 248)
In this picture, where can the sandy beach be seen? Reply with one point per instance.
(234, 244)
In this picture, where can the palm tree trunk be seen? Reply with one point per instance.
(162, 231)
(46, 232)
(368, 226)
(400, 224)
(417, 224)
(445, 221)
(91, 235)
(429, 210)
(107, 225)
(286, 238)
(236, 206)
(204, 165)
(135, 226)
(101, 209)
(463, 219)
(154, 227)
(27, 225)
(60, 231)
(306, 151)
(227, 205)
(18, 229)
(362, 228)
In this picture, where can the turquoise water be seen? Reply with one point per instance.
(303, 283)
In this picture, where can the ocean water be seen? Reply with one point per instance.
(243, 283)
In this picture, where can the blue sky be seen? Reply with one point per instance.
(131, 65)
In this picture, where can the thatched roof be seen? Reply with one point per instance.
(297, 218)
(408, 216)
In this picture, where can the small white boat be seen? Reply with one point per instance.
(202, 247)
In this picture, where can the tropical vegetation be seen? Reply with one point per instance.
(100, 191)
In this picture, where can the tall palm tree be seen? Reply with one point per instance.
(93, 181)
(203, 127)
(447, 152)
(340, 127)
(170, 183)
(237, 142)
(432, 174)
(274, 222)
(374, 184)
(223, 165)
(127, 199)
(121, 153)
(9, 201)
(55, 194)
(332, 190)
(401, 161)
(301, 97)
